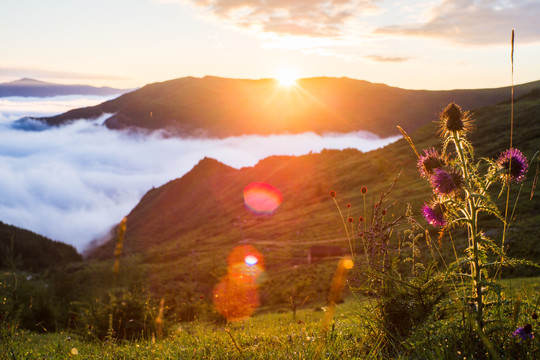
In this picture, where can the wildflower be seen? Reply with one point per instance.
(513, 164)
(363, 190)
(534, 316)
(524, 332)
(445, 182)
(430, 161)
(453, 120)
(348, 205)
(434, 214)
(350, 220)
(361, 219)
(332, 194)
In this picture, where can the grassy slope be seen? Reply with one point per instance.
(220, 107)
(183, 231)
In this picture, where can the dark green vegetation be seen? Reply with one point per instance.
(35, 88)
(28, 251)
(179, 235)
(220, 107)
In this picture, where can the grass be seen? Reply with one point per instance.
(264, 336)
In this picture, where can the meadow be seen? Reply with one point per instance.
(354, 334)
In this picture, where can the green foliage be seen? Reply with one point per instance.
(25, 250)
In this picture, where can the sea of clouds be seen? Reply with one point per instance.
(73, 183)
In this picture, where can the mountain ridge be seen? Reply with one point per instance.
(27, 87)
(221, 107)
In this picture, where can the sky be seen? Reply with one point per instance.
(424, 44)
(73, 183)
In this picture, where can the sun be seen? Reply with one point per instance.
(286, 77)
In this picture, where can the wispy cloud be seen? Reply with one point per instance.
(391, 59)
(314, 18)
(73, 183)
(477, 22)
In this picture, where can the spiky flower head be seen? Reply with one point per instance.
(513, 164)
(332, 194)
(446, 182)
(363, 190)
(454, 120)
(429, 161)
(434, 213)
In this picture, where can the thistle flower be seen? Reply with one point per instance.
(453, 120)
(513, 164)
(434, 214)
(348, 205)
(363, 190)
(430, 161)
(332, 194)
(350, 219)
(361, 219)
(524, 332)
(445, 182)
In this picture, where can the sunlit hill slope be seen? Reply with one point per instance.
(221, 107)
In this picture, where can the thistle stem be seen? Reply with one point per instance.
(472, 223)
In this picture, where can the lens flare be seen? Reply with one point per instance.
(236, 297)
(251, 260)
(262, 198)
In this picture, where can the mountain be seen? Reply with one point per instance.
(35, 88)
(26, 250)
(183, 231)
(220, 107)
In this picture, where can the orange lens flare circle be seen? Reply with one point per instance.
(262, 198)
(236, 297)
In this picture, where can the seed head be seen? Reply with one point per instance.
(453, 120)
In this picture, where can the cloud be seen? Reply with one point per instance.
(392, 59)
(312, 18)
(73, 183)
(478, 22)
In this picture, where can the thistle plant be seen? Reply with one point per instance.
(460, 187)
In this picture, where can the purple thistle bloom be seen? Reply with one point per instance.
(445, 182)
(434, 214)
(430, 161)
(524, 332)
(514, 165)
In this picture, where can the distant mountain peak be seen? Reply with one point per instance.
(28, 82)
(36, 88)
